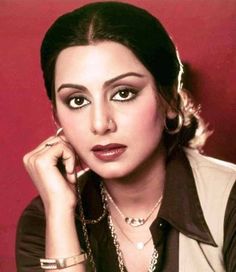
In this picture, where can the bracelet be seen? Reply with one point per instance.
(61, 263)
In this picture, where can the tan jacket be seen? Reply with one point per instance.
(214, 180)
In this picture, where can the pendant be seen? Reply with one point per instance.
(134, 222)
(140, 245)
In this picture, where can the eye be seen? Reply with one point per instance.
(124, 95)
(78, 102)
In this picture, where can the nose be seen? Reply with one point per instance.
(102, 120)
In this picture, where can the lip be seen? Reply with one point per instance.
(109, 152)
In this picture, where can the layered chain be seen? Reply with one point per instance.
(132, 221)
(155, 254)
(154, 260)
(84, 221)
(85, 232)
(116, 244)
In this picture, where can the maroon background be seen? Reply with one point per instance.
(204, 32)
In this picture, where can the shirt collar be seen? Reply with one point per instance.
(180, 204)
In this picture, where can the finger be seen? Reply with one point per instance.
(61, 135)
(71, 177)
(42, 145)
(59, 154)
(60, 151)
(49, 142)
(63, 138)
(34, 152)
(67, 158)
(52, 140)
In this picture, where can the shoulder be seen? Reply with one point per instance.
(33, 213)
(214, 179)
(36, 205)
(210, 168)
(30, 236)
(203, 160)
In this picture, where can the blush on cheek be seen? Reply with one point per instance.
(73, 131)
(150, 116)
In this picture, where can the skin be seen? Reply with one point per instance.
(88, 125)
(95, 84)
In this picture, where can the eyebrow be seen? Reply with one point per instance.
(107, 83)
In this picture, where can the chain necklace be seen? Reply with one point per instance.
(122, 268)
(132, 221)
(155, 255)
(84, 223)
(104, 210)
(138, 245)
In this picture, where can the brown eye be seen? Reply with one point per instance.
(78, 102)
(124, 95)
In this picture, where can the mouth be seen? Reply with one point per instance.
(110, 152)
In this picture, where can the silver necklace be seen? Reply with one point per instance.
(120, 258)
(138, 245)
(133, 221)
(155, 254)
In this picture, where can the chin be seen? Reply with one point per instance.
(109, 172)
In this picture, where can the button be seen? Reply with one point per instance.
(161, 224)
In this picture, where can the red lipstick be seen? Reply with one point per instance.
(109, 152)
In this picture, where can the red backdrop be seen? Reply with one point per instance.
(204, 32)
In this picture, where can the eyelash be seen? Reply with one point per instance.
(72, 100)
(125, 90)
(131, 91)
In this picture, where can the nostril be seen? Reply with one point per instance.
(103, 126)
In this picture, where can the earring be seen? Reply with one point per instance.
(179, 126)
(59, 131)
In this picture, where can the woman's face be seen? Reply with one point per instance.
(108, 106)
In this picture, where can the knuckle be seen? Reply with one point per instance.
(39, 162)
(25, 159)
(34, 162)
(66, 148)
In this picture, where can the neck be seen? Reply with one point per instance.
(139, 191)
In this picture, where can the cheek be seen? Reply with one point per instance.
(147, 119)
(74, 128)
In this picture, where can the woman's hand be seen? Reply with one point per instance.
(52, 168)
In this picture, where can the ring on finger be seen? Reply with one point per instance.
(49, 144)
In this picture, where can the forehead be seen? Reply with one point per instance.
(99, 61)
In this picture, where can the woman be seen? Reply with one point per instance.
(145, 199)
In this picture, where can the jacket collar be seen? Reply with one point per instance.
(180, 204)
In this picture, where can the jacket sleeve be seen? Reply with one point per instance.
(30, 238)
(229, 248)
